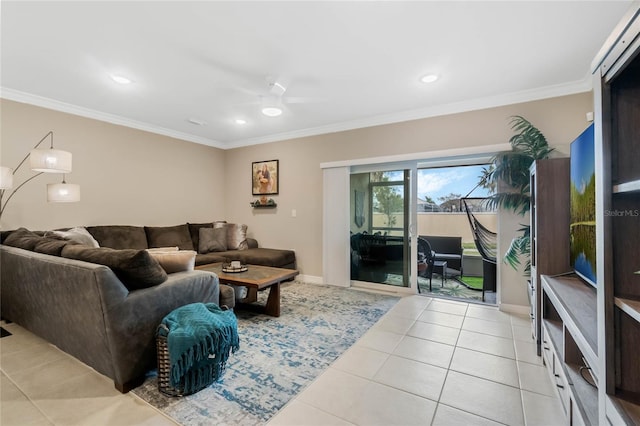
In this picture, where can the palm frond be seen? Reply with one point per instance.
(514, 201)
(512, 169)
(529, 138)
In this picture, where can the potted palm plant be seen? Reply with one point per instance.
(508, 178)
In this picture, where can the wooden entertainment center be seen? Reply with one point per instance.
(590, 336)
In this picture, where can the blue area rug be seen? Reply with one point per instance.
(278, 357)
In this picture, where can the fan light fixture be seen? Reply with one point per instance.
(429, 78)
(272, 111)
(120, 79)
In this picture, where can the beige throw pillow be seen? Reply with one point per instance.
(236, 235)
(212, 239)
(78, 234)
(174, 260)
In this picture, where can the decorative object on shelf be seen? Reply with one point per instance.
(234, 267)
(263, 202)
(512, 168)
(42, 161)
(264, 177)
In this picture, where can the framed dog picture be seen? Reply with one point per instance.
(264, 177)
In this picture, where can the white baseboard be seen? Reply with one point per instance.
(515, 309)
(311, 279)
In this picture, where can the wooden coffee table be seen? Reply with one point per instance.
(256, 278)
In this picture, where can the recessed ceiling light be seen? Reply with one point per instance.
(272, 111)
(120, 79)
(429, 78)
(241, 121)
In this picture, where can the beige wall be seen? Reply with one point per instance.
(560, 119)
(132, 177)
(126, 176)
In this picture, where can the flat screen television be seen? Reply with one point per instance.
(583, 206)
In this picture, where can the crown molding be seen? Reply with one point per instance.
(580, 86)
(571, 88)
(27, 98)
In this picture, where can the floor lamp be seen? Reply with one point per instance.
(42, 161)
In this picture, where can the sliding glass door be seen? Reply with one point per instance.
(380, 221)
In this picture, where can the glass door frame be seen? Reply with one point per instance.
(411, 217)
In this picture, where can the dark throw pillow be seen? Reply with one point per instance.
(136, 268)
(23, 238)
(167, 236)
(52, 246)
(212, 239)
(119, 236)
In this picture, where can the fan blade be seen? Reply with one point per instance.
(301, 100)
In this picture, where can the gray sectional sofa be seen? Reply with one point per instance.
(105, 312)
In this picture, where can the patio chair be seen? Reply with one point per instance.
(427, 263)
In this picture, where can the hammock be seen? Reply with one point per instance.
(486, 241)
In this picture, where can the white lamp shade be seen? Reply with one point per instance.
(6, 178)
(50, 161)
(63, 193)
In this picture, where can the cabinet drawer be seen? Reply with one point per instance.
(560, 380)
(556, 373)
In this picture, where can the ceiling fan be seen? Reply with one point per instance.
(272, 103)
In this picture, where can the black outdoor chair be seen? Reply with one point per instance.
(427, 263)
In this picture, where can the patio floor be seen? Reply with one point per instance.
(452, 288)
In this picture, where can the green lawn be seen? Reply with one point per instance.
(473, 282)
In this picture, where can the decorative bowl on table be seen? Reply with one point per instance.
(233, 268)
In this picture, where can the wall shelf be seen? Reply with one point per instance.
(264, 204)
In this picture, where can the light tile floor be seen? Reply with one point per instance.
(427, 361)
(433, 362)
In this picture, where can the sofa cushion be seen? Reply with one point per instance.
(119, 236)
(174, 260)
(194, 231)
(236, 235)
(163, 236)
(78, 234)
(262, 256)
(212, 239)
(23, 238)
(135, 268)
(52, 246)
(207, 258)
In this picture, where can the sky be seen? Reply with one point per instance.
(443, 181)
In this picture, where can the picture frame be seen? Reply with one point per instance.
(265, 177)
